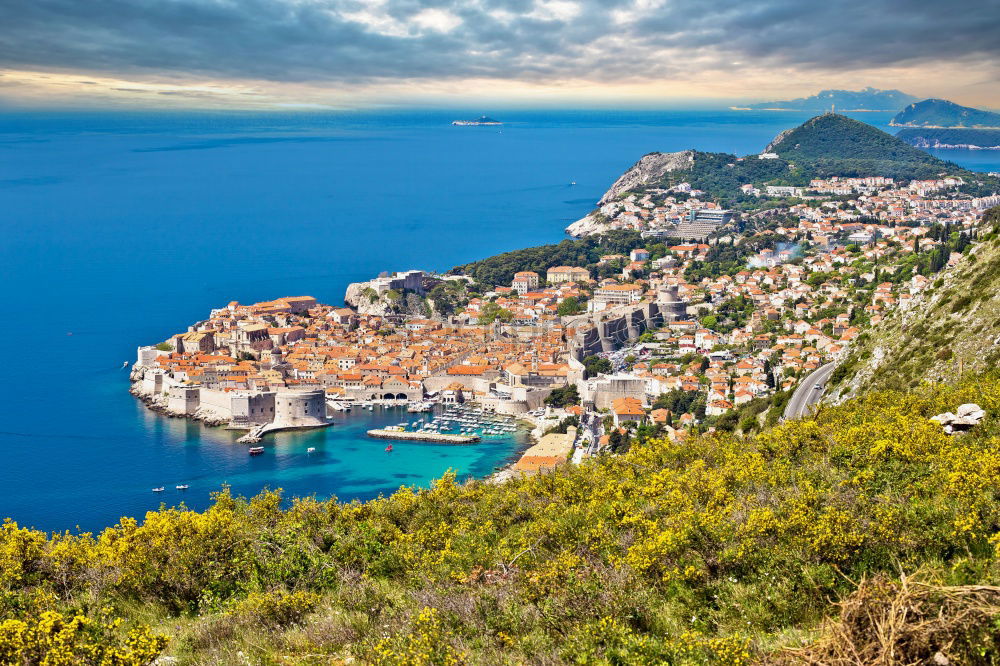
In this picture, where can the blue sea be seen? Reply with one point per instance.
(122, 228)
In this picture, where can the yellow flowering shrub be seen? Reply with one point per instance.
(52, 639)
(276, 609)
(706, 551)
(427, 643)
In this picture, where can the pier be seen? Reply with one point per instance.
(412, 436)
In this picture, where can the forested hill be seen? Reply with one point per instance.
(944, 114)
(824, 146)
(833, 144)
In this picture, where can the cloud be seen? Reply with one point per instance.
(355, 42)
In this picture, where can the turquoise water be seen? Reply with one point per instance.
(124, 228)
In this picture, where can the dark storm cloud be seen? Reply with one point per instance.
(310, 40)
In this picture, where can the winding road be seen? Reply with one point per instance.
(809, 392)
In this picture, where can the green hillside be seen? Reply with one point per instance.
(832, 144)
(933, 138)
(824, 146)
(944, 114)
(951, 329)
(723, 549)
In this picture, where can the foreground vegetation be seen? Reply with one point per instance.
(724, 549)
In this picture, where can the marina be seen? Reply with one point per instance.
(416, 436)
(454, 423)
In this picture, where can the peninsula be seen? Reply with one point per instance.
(689, 194)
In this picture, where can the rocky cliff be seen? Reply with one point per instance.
(650, 169)
(359, 297)
(647, 171)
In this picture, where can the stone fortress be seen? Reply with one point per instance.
(277, 409)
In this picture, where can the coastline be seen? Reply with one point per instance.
(158, 404)
(506, 472)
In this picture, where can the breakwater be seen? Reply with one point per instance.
(410, 436)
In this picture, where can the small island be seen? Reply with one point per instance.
(481, 120)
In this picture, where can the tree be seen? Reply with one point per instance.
(619, 441)
(596, 365)
(569, 306)
(677, 401)
(564, 396)
(491, 312)
(564, 425)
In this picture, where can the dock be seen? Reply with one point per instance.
(411, 436)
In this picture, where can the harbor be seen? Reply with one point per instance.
(454, 424)
(417, 436)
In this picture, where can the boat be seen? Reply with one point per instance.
(158, 490)
(311, 449)
(124, 364)
(573, 182)
(182, 486)
(388, 449)
(255, 450)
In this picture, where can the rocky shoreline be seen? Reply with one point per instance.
(935, 144)
(158, 404)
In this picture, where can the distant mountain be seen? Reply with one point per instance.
(972, 139)
(869, 99)
(944, 114)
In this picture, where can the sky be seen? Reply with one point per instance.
(319, 54)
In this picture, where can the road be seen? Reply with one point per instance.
(807, 395)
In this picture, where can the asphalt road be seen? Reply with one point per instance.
(807, 395)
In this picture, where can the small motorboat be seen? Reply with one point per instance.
(388, 449)
(158, 490)
(256, 450)
(183, 486)
(311, 449)
(124, 364)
